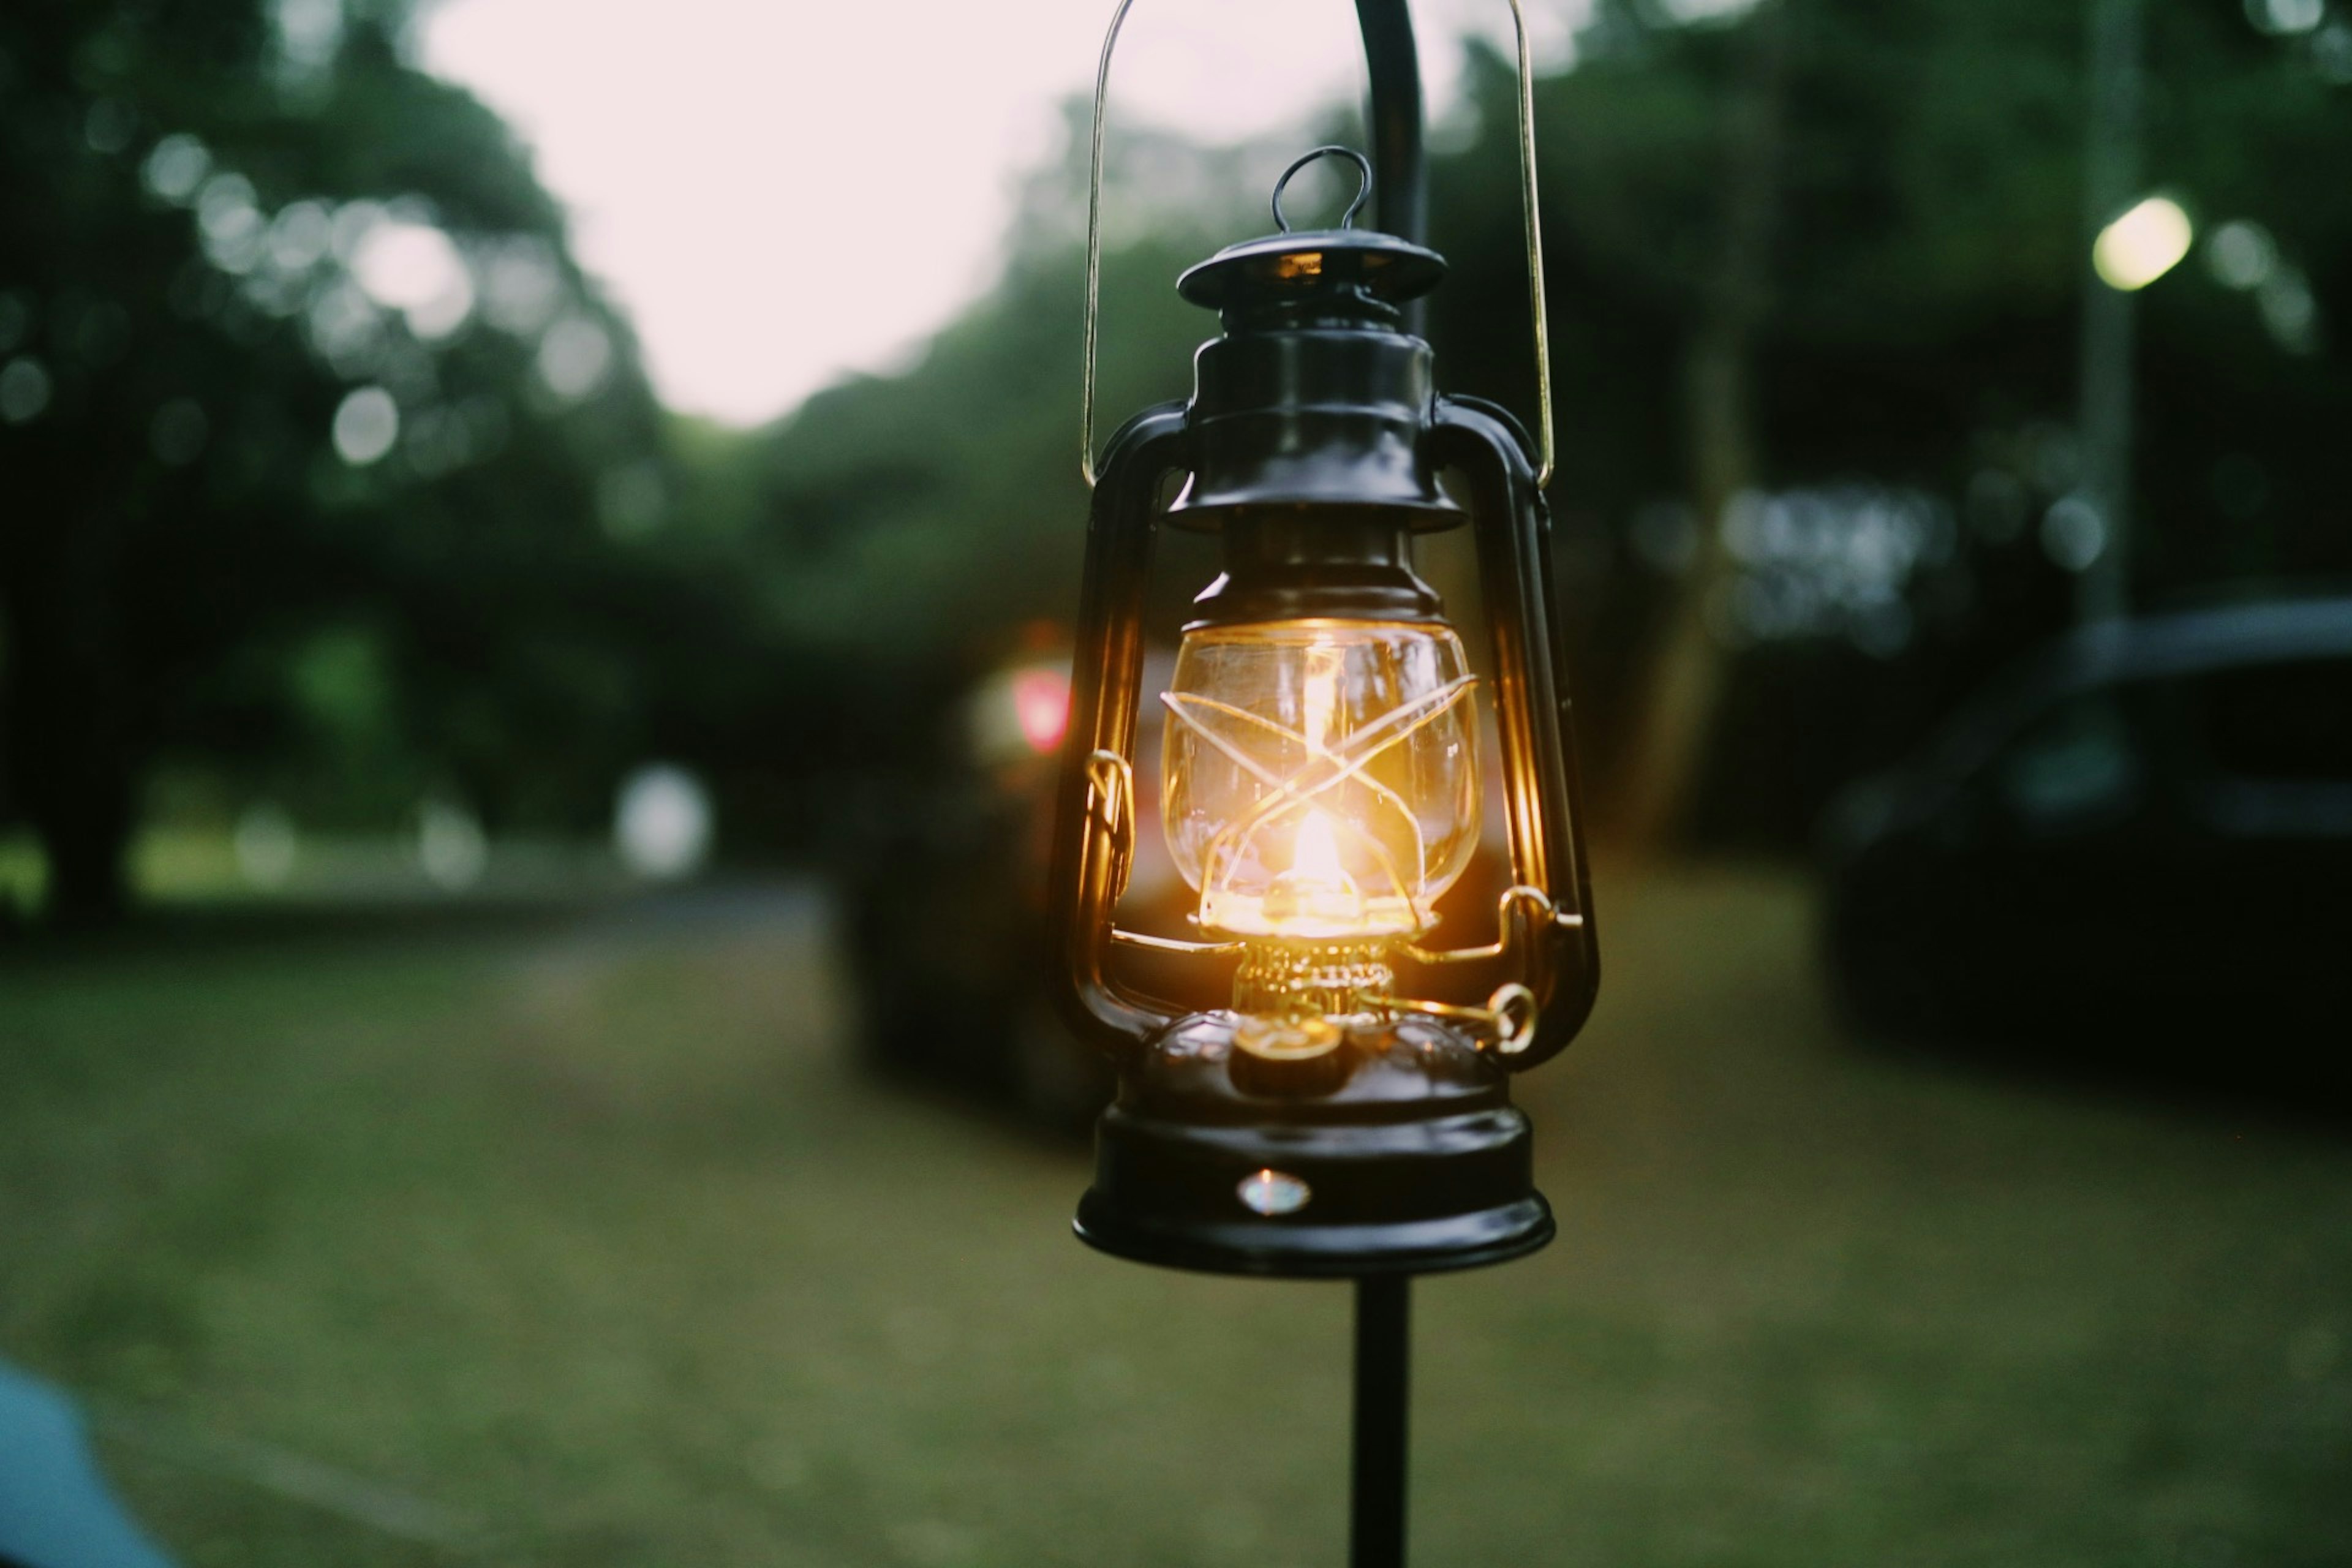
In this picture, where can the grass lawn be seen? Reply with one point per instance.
(586, 1246)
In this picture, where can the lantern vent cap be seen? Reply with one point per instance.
(1302, 264)
(1325, 261)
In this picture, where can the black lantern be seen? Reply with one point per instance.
(1320, 773)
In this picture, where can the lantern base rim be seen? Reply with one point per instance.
(1398, 1153)
(1271, 1249)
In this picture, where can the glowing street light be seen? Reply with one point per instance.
(2143, 245)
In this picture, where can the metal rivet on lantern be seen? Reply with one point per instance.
(1274, 1193)
(1288, 1039)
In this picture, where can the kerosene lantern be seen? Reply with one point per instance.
(1320, 788)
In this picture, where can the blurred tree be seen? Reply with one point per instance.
(317, 441)
(1908, 320)
(900, 527)
(1819, 252)
(1717, 392)
(329, 465)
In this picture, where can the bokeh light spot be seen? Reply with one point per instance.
(2143, 245)
(23, 389)
(2281, 18)
(451, 846)
(2331, 53)
(308, 31)
(2073, 533)
(2240, 254)
(575, 357)
(299, 236)
(265, 846)
(2290, 310)
(175, 166)
(226, 208)
(521, 287)
(662, 821)
(1041, 705)
(367, 423)
(343, 325)
(415, 268)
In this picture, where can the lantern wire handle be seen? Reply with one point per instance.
(1363, 185)
(1533, 220)
(1093, 243)
(1528, 213)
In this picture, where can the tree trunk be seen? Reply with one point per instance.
(1688, 674)
(87, 844)
(72, 768)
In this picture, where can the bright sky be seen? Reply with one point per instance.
(734, 167)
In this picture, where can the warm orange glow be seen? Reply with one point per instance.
(1316, 897)
(1316, 857)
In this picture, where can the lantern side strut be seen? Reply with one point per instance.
(1095, 846)
(1547, 918)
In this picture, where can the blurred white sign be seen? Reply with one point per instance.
(662, 821)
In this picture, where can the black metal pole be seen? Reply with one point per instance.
(2110, 179)
(1383, 1375)
(1384, 1302)
(1400, 176)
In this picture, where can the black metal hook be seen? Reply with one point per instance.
(1363, 188)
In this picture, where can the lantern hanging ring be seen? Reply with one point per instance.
(1528, 212)
(1363, 185)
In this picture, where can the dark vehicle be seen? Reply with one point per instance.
(2134, 854)
(945, 904)
(943, 908)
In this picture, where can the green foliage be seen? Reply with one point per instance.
(1925, 252)
(926, 510)
(555, 584)
(194, 569)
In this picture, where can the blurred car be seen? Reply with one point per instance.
(2135, 852)
(944, 903)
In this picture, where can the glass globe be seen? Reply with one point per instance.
(1319, 777)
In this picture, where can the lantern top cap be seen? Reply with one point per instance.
(1312, 262)
(1301, 264)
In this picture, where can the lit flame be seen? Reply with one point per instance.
(1315, 858)
(1315, 898)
